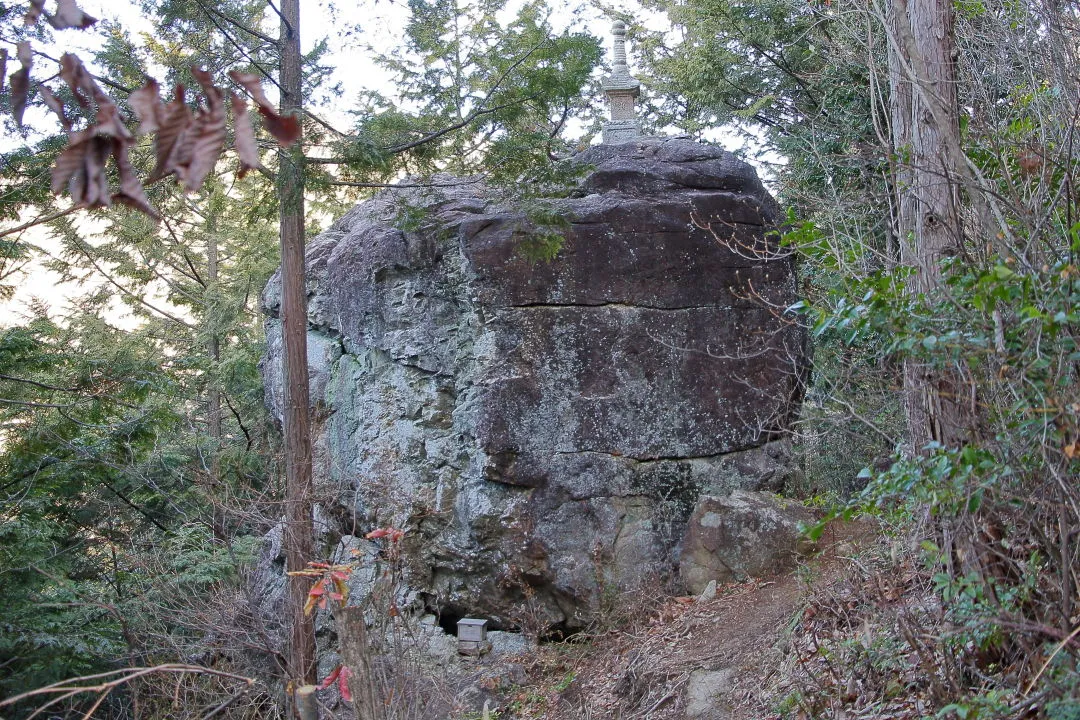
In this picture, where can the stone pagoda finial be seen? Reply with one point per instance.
(621, 91)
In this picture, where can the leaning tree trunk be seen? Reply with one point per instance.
(926, 138)
(299, 533)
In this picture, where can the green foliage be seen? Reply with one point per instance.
(543, 233)
(998, 335)
(511, 90)
(79, 423)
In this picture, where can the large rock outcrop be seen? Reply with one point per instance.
(543, 430)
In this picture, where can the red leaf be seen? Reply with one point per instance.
(340, 575)
(331, 678)
(309, 606)
(244, 137)
(286, 130)
(68, 15)
(317, 590)
(342, 590)
(146, 102)
(322, 565)
(20, 81)
(34, 12)
(343, 683)
(376, 534)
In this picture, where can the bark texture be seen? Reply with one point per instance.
(299, 533)
(930, 171)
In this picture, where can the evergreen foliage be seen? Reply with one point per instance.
(998, 332)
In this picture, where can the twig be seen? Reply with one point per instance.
(67, 689)
(40, 220)
(1050, 659)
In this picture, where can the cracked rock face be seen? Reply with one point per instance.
(543, 430)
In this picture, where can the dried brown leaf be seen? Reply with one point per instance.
(246, 147)
(131, 191)
(253, 84)
(286, 130)
(55, 105)
(208, 137)
(81, 82)
(34, 12)
(171, 143)
(110, 123)
(20, 82)
(81, 168)
(146, 102)
(68, 15)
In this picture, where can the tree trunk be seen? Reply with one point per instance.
(299, 532)
(356, 655)
(926, 139)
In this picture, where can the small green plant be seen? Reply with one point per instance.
(540, 245)
(542, 234)
(565, 683)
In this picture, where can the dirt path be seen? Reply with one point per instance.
(680, 657)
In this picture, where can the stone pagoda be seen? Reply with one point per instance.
(621, 90)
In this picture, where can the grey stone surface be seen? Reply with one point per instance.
(740, 535)
(509, 643)
(703, 691)
(542, 431)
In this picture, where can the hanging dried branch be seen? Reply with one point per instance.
(3, 67)
(286, 130)
(20, 82)
(81, 166)
(186, 145)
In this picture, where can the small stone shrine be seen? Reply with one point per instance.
(621, 91)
